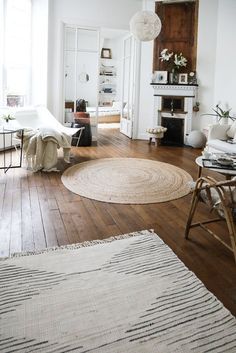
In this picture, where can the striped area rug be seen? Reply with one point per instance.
(129, 295)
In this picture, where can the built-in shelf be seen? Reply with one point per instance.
(108, 75)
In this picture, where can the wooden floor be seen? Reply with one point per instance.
(36, 211)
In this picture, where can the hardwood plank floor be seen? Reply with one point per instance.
(37, 211)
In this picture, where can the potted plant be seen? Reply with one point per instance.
(196, 107)
(8, 117)
(222, 115)
(174, 62)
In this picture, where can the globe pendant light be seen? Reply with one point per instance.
(145, 25)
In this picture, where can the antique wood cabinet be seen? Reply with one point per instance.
(179, 32)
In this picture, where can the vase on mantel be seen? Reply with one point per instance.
(224, 121)
(173, 77)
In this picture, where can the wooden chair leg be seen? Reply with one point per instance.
(194, 202)
(231, 228)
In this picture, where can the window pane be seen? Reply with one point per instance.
(17, 47)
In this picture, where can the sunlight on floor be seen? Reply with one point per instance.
(109, 126)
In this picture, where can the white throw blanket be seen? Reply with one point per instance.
(40, 148)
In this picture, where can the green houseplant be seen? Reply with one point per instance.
(221, 114)
(8, 117)
(174, 62)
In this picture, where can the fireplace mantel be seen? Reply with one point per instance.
(188, 94)
(174, 90)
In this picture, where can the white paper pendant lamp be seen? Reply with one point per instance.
(145, 25)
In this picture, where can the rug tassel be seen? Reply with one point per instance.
(81, 245)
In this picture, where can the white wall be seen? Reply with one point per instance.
(39, 51)
(94, 13)
(146, 99)
(206, 59)
(225, 69)
(216, 57)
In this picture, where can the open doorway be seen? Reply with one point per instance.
(110, 78)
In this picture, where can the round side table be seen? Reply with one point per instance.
(228, 173)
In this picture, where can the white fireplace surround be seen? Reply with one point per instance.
(187, 91)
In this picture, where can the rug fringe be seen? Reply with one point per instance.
(81, 245)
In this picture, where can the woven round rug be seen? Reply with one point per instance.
(127, 180)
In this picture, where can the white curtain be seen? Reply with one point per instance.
(23, 51)
(1, 52)
(39, 52)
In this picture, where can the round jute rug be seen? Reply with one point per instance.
(127, 180)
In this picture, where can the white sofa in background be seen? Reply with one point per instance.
(218, 136)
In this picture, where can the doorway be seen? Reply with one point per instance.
(130, 76)
(81, 67)
(110, 79)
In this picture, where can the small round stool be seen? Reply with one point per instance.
(157, 133)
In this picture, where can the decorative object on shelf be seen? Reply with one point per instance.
(196, 139)
(221, 115)
(106, 53)
(160, 77)
(192, 78)
(145, 25)
(183, 79)
(157, 133)
(174, 63)
(196, 107)
(173, 77)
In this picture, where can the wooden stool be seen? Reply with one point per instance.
(157, 140)
(157, 134)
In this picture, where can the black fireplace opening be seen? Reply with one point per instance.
(174, 136)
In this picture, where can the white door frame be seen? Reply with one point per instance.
(129, 127)
(62, 105)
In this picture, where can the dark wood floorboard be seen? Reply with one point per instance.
(37, 211)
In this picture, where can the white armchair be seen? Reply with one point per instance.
(218, 136)
(43, 135)
(40, 117)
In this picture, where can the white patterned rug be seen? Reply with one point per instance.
(130, 295)
(127, 180)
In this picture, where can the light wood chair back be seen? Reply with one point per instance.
(221, 198)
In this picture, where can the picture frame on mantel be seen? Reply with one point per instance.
(183, 79)
(160, 77)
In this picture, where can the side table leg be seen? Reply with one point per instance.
(199, 172)
(150, 140)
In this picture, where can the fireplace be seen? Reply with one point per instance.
(174, 136)
(173, 108)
